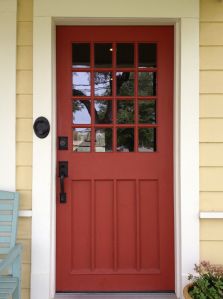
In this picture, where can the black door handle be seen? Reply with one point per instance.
(63, 173)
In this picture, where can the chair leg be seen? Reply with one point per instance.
(16, 272)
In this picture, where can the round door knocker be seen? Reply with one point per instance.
(41, 127)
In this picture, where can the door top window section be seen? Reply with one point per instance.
(114, 55)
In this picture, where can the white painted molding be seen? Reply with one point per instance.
(25, 213)
(8, 95)
(211, 215)
(185, 15)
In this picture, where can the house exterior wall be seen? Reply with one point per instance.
(211, 128)
(24, 132)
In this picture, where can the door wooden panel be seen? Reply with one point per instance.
(115, 105)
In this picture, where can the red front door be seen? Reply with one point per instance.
(115, 110)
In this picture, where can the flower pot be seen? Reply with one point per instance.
(185, 291)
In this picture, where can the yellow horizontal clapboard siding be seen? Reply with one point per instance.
(25, 199)
(24, 82)
(212, 251)
(26, 275)
(24, 130)
(211, 154)
(211, 10)
(209, 58)
(211, 81)
(24, 106)
(211, 34)
(211, 105)
(24, 33)
(211, 201)
(24, 58)
(24, 154)
(211, 179)
(25, 10)
(211, 230)
(25, 293)
(211, 130)
(24, 178)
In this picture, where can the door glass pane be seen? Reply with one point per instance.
(81, 84)
(147, 111)
(103, 55)
(125, 83)
(125, 112)
(146, 84)
(147, 140)
(80, 55)
(103, 140)
(147, 55)
(103, 111)
(125, 55)
(82, 140)
(103, 84)
(125, 140)
(81, 112)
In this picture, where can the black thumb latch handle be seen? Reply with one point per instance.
(63, 173)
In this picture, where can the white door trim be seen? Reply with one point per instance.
(186, 142)
(8, 12)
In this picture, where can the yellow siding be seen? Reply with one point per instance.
(211, 127)
(24, 105)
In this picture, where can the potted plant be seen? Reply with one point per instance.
(207, 283)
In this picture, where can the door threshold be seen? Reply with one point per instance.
(115, 295)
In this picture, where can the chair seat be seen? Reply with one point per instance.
(8, 285)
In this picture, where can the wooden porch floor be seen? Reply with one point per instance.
(116, 296)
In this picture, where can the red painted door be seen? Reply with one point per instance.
(115, 106)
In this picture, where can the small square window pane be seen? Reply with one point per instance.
(81, 112)
(125, 55)
(80, 55)
(103, 84)
(103, 55)
(103, 140)
(125, 84)
(146, 84)
(103, 111)
(125, 112)
(81, 84)
(82, 140)
(125, 140)
(147, 55)
(147, 111)
(147, 140)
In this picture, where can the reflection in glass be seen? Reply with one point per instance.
(125, 83)
(125, 112)
(125, 55)
(82, 140)
(103, 55)
(103, 84)
(147, 140)
(147, 111)
(103, 111)
(147, 55)
(81, 112)
(146, 84)
(125, 140)
(81, 84)
(103, 140)
(80, 55)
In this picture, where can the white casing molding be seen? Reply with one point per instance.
(184, 15)
(8, 11)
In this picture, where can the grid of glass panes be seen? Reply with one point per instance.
(114, 97)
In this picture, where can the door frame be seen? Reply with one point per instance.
(186, 139)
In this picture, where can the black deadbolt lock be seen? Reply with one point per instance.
(41, 127)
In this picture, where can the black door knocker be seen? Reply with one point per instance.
(41, 127)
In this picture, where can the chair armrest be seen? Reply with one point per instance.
(10, 257)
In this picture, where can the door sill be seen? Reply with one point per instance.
(115, 295)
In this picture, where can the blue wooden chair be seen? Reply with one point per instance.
(10, 252)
